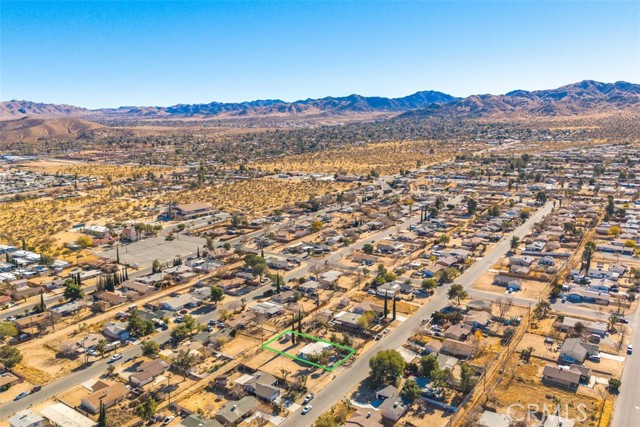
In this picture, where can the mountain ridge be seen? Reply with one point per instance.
(584, 97)
(338, 105)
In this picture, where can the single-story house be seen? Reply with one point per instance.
(180, 302)
(313, 348)
(512, 283)
(27, 418)
(392, 408)
(111, 298)
(576, 350)
(61, 415)
(309, 287)
(147, 372)
(347, 320)
(106, 393)
(365, 306)
(116, 331)
(261, 384)
(235, 411)
(197, 420)
(458, 348)
(365, 417)
(598, 328)
(477, 319)
(267, 308)
(330, 278)
(458, 332)
(561, 376)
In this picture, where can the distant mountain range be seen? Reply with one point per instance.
(329, 105)
(586, 97)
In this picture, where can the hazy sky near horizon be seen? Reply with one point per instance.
(107, 54)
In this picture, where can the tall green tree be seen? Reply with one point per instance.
(217, 294)
(102, 417)
(147, 409)
(387, 366)
(10, 356)
(73, 291)
(587, 255)
(457, 292)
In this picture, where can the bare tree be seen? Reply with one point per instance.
(504, 306)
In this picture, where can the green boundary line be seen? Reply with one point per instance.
(308, 362)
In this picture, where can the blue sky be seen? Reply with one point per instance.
(109, 54)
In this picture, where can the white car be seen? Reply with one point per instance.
(168, 420)
(306, 409)
(115, 357)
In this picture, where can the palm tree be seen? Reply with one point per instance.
(284, 374)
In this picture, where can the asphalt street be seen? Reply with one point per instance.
(345, 381)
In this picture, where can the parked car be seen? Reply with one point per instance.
(306, 409)
(623, 320)
(22, 395)
(36, 388)
(115, 357)
(630, 349)
(309, 397)
(168, 420)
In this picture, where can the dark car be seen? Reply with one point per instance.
(36, 388)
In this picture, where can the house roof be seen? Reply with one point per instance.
(150, 370)
(196, 206)
(108, 395)
(387, 392)
(364, 417)
(62, 415)
(196, 420)
(24, 418)
(236, 410)
(562, 374)
(480, 317)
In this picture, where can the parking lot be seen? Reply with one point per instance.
(144, 252)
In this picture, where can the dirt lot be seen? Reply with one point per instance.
(530, 288)
(426, 415)
(521, 384)
(205, 402)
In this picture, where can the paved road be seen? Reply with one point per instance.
(340, 387)
(52, 299)
(627, 409)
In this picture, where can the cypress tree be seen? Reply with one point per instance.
(394, 308)
(299, 322)
(102, 418)
(43, 307)
(117, 255)
(198, 252)
(386, 306)
(293, 328)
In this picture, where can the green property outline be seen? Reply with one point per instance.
(352, 351)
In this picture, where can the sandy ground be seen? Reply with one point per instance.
(531, 289)
(426, 415)
(521, 384)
